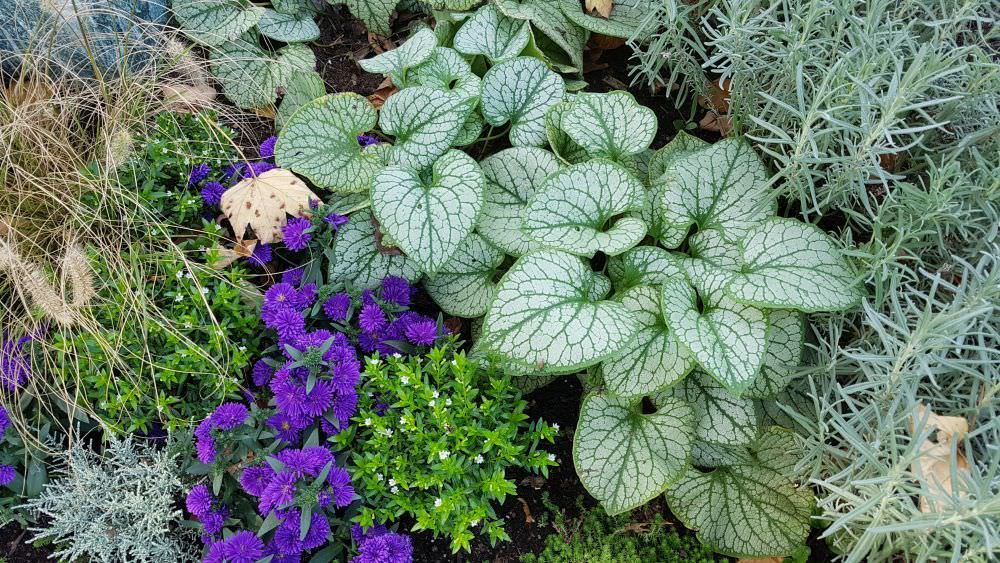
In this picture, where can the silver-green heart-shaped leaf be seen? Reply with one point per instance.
(320, 141)
(295, 7)
(519, 91)
(251, 77)
(547, 17)
(572, 210)
(513, 176)
(654, 359)
(627, 16)
(562, 144)
(429, 220)
(727, 338)
(288, 28)
(303, 87)
(681, 145)
(464, 286)
(425, 123)
(720, 418)
(214, 22)
(643, 265)
(723, 186)
(794, 265)
(713, 248)
(375, 14)
(706, 455)
(446, 70)
(611, 125)
(413, 52)
(470, 130)
(743, 510)
(358, 262)
(774, 448)
(625, 458)
(492, 34)
(544, 315)
(785, 334)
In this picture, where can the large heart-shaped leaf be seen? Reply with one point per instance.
(573, 209)
(513, 176)
(251, 77)
(790, 264)
(425, 123)
(320, 141)
(470, 131)
(263, 202)
(727, 338)
(375, 14)
(625, 458)
(214, 22)
(723, 186)
(288, 28)
(492, 34)
(357, 261)
(644, 265)
(413, 52)
(428, 220)
(545, 316)
(295, 7)
(659, 163)
(446, 70)
(611, 125)
(626, 17)
(464, 286)
(654, 359)
(720, 418)
(785, 333)
(743, 510)
(519, 91)
(546, 17)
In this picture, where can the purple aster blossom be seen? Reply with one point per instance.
(267, 147)
(367, 297)
(336, 220)
(340, 486)
(296, 233)
(7, 474)
(199, 501)
(287, 428)
(367, 343)
(4, 422)
(319, 529)
(293, 277)
(305, 296)
(229, 415)
(233, 172)
(290, 397)
(255, 479)
(243, 547)
(346, 375)
(279, 295)
(337, 306)
(278, 493)
(396, 290)
(216, 553)
(261, 255)
(198, 174)
(367, 140)
(314, 339)
(344, 407)
(289, 324)
(422, 333)
(262, 372)
(213, 521)
(211, 194)
(258, 168)
(371, 319)
(204, 443)
(387, 547)
(319, 399)
(323, 499)
(307, 462)
(15, 370)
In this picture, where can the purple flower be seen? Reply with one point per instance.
(291, 398)
(296, 233)
(258, 168)
(267, 147)
(372, 319)
(319, 399)
(7, 474)
(336, 221)
(387, 547)
(323, 499)
(307, 462)
(243, 547)
(396, 290)
(262, 373)
(199, 500)
(319, 529)
(279, 295)
(344, 407)
(293, 277)
(211, 194)
(289, 324)
(346, 375)
(255, 479)
(305, 296)
(213, 522)
(233, 172)
(14, 367)
(278, 493)
(422, 333)
(4, 422)
(287, 428)
(366, 140)
(198, 174)
(229, 415)
(261, 255)
(216, 553)
(337, 306)
(340, 486)
(204, 443)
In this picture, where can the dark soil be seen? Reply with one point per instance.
(13, 548)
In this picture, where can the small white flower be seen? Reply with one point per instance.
(242, 348)
(552, 457)
(479, 459)
(179, 274)
(447, 402)
(444, 454)
(555, 426)
(397, 355)
(437, 503)
(402, 420)
(392, 482)
(380, 477)
(388, 432)
(436, 394)
(204, 291)
(368, 421)
(187, 325)
(376, 361)
(179, 298)
(404, 380)
(394, 490)
(188, 275)
(474, 523)
(432, 403)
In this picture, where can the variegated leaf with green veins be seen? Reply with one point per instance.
(661, 162)
(723, 186)
(320, 141)
(727, 338)
(288, 28)
(644, 265)
(706, 455)
(719, 417)
(513, 176)
(425, 123)
(519, 91)
(627, 16)
(611, 125)
(572, 210)
(295, 7)
(743, 510)
(358, 262)
(562, 144)
(412, 53)
(545, 315)
(464, 286)
(785, 334)
(470, 130)
(625, 458)
(303, 88)
(250, 76)
(214, 22)
(654, 359)
(492, 34)
(375, 13)
(547, 17)
(793, 265)
(710, 246)
(446, 70)
(429, 220)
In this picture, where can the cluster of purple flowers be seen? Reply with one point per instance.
(207, 509)
(386, 327)
(7, 472)
(15, 369)
(211, 192)
(226, 417)
(379, 545)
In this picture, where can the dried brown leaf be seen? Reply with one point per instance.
(528, 518)
(718, 96)
(933, 466)
(715, 122)
(263, 203)
(598, 7)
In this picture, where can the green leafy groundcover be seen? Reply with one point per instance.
(697, 307)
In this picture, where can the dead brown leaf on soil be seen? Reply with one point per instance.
(528, 518)
(715, 122)
(933, 466)
(264, 202)
(242, 249)
(598, 7)
(385, 89)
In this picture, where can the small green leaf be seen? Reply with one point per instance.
(653, 359)
(288, 28)
(727, 338)
(430, 220)
(492, 34)
(464, 285)
(358, 262)
(611, 125)
(320, 142)
(573, 209)
(520, 91)
(545, 316)
(794, 265)
(643, 265)
(719, 417)
(625, 458)
(547, 17)
(413, 52)
(215, 22)
(446, 70)
(513, 176)
(425, 123)
(785, 333)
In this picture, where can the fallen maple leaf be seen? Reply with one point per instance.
(602, 7)
(264, 202)
(718, 96)
(933, 466)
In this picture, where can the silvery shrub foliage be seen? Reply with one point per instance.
(663, 274)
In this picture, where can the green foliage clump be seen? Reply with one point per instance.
(596, 537)
(433, 439)
(115, 506)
